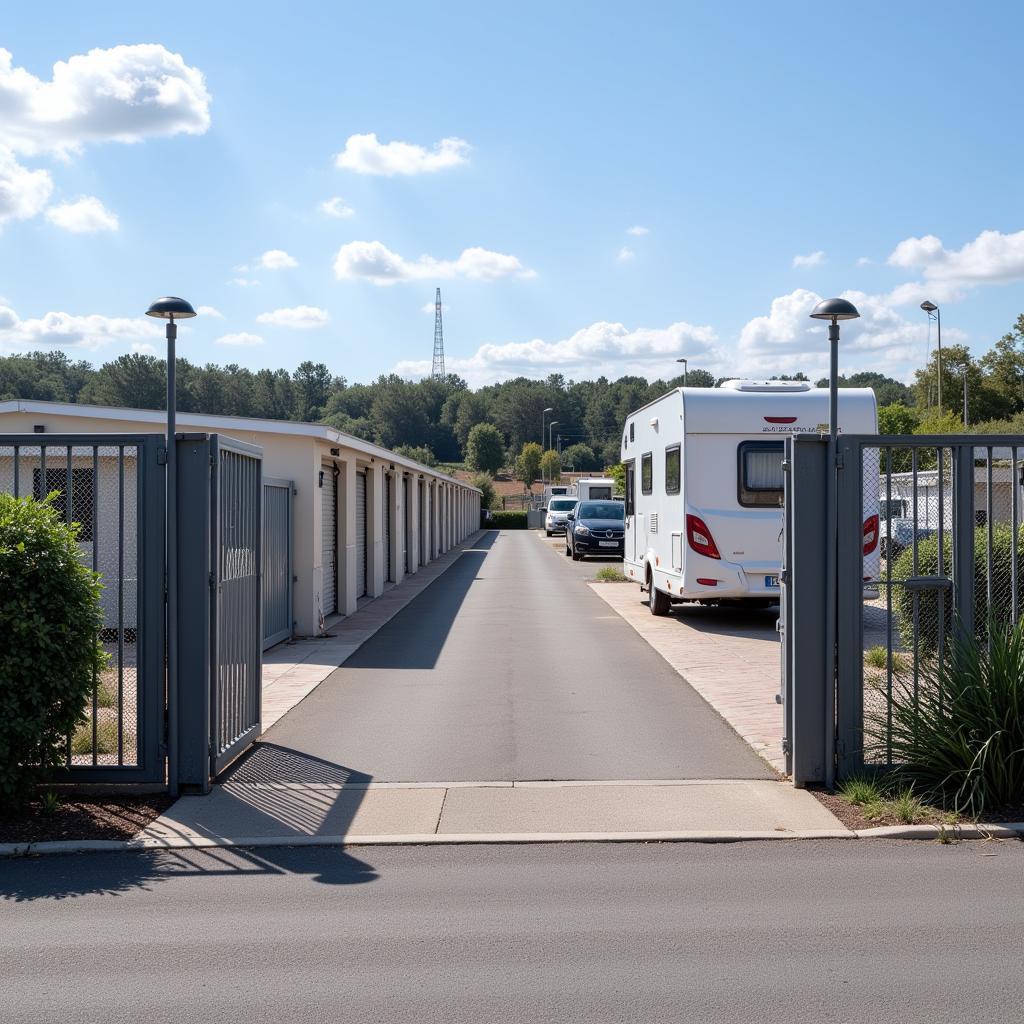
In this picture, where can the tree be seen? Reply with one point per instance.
(551, 466)
(983, 401)
(422, 455)
(488, 499)
(312, 389)
(896, 419)
(1004, 369)
(580, 457)
(699, 379)
(136, 381)
(485, 449)
(618, 474)
(528, 463)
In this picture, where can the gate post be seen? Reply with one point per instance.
(808, 668)
(963, 538)
(194, 580)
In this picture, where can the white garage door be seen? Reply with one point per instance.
(387, 528)
(329, 497)
(360, 534)
(406, 519)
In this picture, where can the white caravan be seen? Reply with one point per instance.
(595, 488)
(704, 486)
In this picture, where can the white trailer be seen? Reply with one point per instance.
(704, 486)
(595, 488)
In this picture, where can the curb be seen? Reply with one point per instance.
(979, 830)
(423, 839)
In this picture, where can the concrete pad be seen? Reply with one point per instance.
(235, 810)
(743, 806)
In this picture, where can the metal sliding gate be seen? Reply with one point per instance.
(929, 541)
(277, 561)
(220, 639)
(113, 486)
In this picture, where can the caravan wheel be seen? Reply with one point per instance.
(656, 600)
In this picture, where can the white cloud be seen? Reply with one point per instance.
(625, 254)
(336, 207)
(23, 193)
(786, 339)
(210, 311)
(638, 230)
(864, 261)
(364, 154)
(812, 259)
(143, 348)
(67, 330)
(601, 348)
(244, 282)
(299, 317)
(373, 261)
(123, 94)
(277, 259)
(991, 258)
(241, 338)
(84, 216)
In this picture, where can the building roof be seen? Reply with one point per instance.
(211, 422)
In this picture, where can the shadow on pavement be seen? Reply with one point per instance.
(756, 624)
(413, 639)
(111, 874)
(273, 763)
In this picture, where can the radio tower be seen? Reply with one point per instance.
(437, 370)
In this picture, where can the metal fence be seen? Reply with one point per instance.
(277, 561)
(929, 542)
(112, 487)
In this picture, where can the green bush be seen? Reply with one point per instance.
(508, 521)
(50, 652)
(957, 733)
(485, 483)
(928, 600)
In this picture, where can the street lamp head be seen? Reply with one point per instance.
(170, 307)
(929, 307)
(834, 310)
(549, 409)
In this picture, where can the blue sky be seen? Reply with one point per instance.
(772, 153)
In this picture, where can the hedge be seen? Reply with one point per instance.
(50, 653)
(928, 600)
(507, 521)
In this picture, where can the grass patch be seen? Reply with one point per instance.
(609, 574)
(878, 657)
(49, 802)
(106, 738)
(862, 790)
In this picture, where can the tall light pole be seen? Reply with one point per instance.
(966, 366)
(553, 423)
(171, 308)
(542, 415)
(934, 313)
(832, 310)
(683, 361)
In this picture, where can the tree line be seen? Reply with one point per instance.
(432, 420)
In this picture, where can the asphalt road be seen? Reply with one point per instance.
(506, 668)
(852, 931)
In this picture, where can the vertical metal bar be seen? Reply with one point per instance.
(17, 470)
(888, 606)
(1015, 484)
(963, 548)
(43, 488)
(120, 604)
(95, 568)
(990, 610)
(940, 568)
(915, 597)
(68, 487)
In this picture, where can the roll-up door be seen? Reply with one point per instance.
(360, 534)
(329, 498)
(387, 528)
(406, 519)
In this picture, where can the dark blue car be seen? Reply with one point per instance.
(596, 528)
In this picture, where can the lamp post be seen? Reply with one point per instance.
(171, 308)
(542, 415)
(553, 423)
(934, 313)
(832, 310)
(683, 361)
(966, 366)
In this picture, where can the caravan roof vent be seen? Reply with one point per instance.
(783, 386)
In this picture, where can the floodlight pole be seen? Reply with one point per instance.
(172, 562)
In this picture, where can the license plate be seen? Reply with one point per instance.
(772, 582)
(608, 543)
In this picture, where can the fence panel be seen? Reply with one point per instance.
(236, 634)
(930, 541)
(112, 486)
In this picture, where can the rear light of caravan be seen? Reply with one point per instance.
(707, 582)
(698, 536)
(870, 534)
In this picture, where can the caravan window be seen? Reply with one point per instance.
(630, 488)
(647, 473)
(760, 474)
(672, 470)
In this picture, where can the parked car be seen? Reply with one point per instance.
(556, 513)
(596, 528)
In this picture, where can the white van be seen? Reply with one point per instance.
(595, 488)
(704, 486)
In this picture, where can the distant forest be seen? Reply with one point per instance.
(433, 418)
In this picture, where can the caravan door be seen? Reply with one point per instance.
(629, 548)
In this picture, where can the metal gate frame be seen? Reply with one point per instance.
(288, 486)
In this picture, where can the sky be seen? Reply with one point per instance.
(597, 188)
